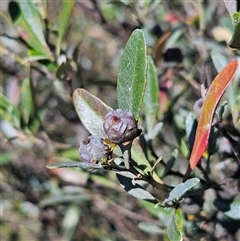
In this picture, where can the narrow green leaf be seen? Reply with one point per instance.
(31, 28)
(173, 230)
(156, 130)
(34, 55)
(6, 158)
(180, 134)
(132, 74)
(151, 228)
(212, 143)
(32, 18)
(140, 158)
(36, 121)
(61, 71)
(63, 198)
(170, 162)
(64, 16)
(82, 165)
(91, 111)
(26, 105)
(71, 220)
(235, 41)
(150, 100)
(142, 164)
(8, 111)
(228, 207)
(157, 211)
(190, 128)
(180, 190)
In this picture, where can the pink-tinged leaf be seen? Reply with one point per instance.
(213, 96)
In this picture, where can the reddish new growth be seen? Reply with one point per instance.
(115, 119)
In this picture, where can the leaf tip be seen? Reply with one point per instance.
(50, 166)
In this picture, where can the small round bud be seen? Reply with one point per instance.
(197, 107)
(120, 126)
(93, 149)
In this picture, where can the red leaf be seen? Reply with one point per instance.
(213, 96)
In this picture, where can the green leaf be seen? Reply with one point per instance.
(142, 164)
(63, 198)
(36, 120)
(91, 111)
(235, 41)
(132, 74)
(157, 211)
(140, 158)
(170, 162)
(126, 180)
(228, 207)
(150, 100)
(174, 229)
(151, 228)
(9, 112)
(64, 16)
(82, 165)
(212, 143)
(180, 190)
(156, 130)
(26, 105)
(190, 128)
(71, 220)
(180, 134)
(31, 28)
(34, 55)
(71, 153)
(61, 71)
(6, 158)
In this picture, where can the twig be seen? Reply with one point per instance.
(126, 150)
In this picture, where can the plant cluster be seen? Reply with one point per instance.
(119, 129)
(168, 137)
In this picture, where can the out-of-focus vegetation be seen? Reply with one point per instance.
(51, 48)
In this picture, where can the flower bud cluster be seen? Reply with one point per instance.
(120, 127)
(93, 149)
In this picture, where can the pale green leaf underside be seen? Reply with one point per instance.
(91, 111)
(179, 191)
(151, 228)
(82, 165)
(229, 208)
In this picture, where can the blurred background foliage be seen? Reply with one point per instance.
(50, 48)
